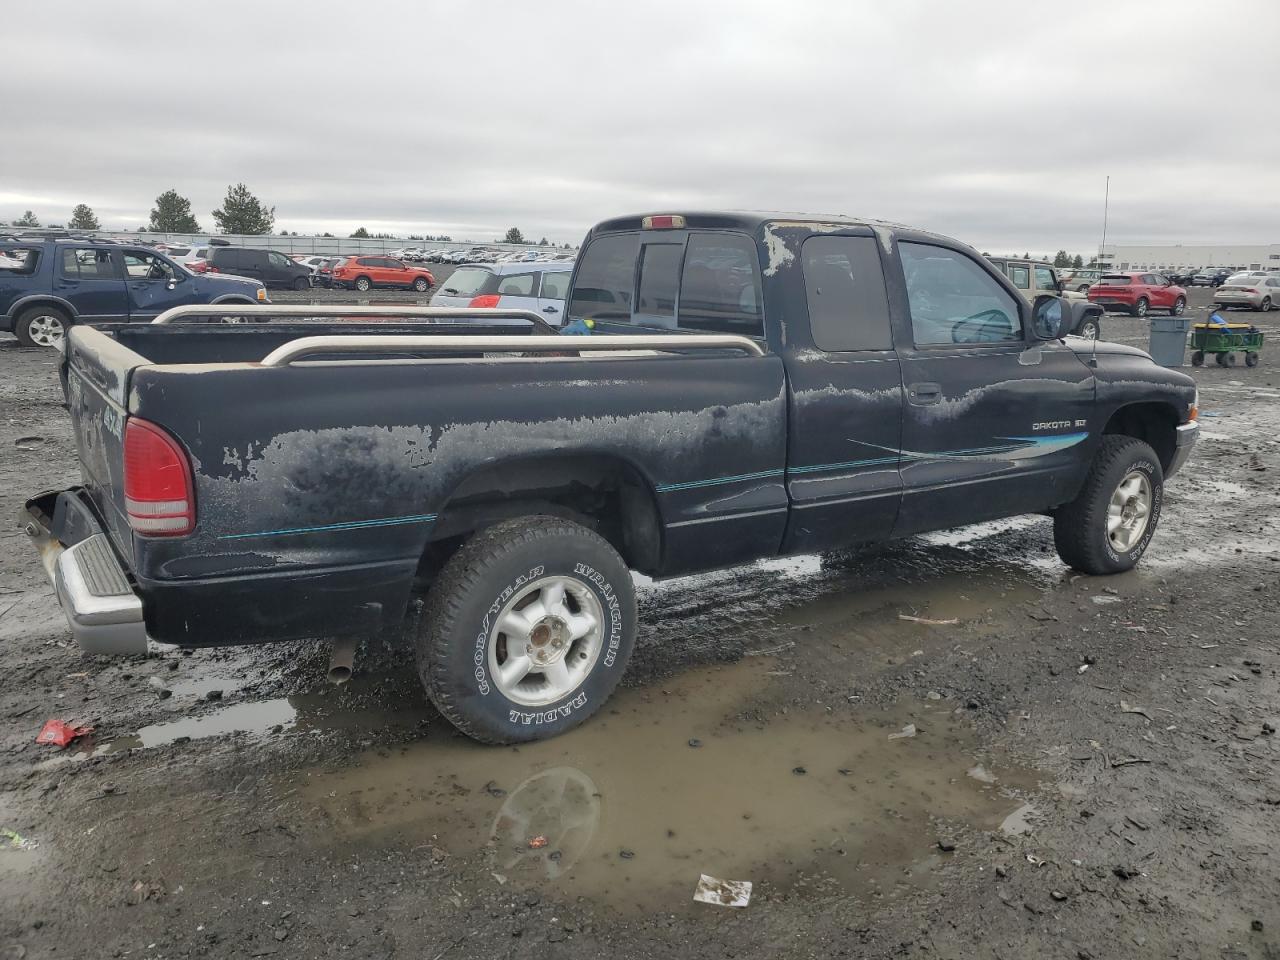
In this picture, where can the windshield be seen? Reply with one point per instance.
(1116, 280)
(465, 282)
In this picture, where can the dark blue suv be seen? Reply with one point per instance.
(45, 285)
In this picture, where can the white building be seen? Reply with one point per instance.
(1241, 256)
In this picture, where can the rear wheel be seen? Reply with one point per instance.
(41, 327)
(1265, 306)
(527, 630)
(1108, 526)
(301, 283)
(363, 284)
(1140, 308)
(1179, 306)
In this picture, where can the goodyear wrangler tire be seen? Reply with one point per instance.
(527, 630)
(1109, 525)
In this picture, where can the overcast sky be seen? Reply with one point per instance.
(994, 122)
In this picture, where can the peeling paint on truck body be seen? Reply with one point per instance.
(320, 486)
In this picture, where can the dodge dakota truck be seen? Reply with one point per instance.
(747, 386)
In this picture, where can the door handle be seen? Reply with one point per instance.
(922, 394)
(550, 309)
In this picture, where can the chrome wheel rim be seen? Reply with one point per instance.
(46, 330)
(545, 641)
(1142, 308)
(1129, 511)
(362, 285)
(1089, 331)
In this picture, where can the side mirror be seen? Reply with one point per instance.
(1047, 317)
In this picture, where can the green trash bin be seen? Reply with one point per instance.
(1169, 340)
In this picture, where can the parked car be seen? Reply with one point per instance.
(186, 255)
(324, 273)
(848, 383)
(1080, 279)
(1210, 277)
(1256, 291)
(270, 267)
(366, 272)
(508, 286)
(1137, 293)
(1035, 278)
(1182, 276)
(62, 283)
(312, 262)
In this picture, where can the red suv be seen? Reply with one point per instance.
(1137, 293)
(365, 273)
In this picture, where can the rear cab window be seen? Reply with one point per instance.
(701, 281)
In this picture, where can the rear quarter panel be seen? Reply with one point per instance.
(331, 464)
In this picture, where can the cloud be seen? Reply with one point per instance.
(992, 121)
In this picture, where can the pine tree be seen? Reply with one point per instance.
(360, 234)
(28, 219)
(514, 236)
(172, 214)
(83, 218)
(243, 213)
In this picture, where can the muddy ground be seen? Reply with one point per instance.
(1093, 772)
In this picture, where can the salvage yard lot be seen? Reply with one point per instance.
(1089, 766)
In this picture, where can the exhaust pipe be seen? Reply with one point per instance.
(341, 659)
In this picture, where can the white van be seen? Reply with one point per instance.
(540, 287)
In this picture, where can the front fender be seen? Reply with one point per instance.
(1077, 311)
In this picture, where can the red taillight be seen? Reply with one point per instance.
(158, 493)
(485, 300)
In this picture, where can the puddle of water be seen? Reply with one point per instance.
(357, 706)
(1018, 823)
(632, 814)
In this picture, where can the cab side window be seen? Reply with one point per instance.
(1045, 280)
(953, 300)
(518, 285)
(1019, 275)
(87, 264)
(844, 285)
(555, 285)
(278, 259)
(146, 266)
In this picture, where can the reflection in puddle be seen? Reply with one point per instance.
(667, 784)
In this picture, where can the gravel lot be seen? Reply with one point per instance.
(1093, 772)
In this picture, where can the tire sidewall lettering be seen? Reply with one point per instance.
(1157, 500)
(481, 646)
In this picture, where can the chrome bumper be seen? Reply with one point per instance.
(1186, 439)
(104, 613)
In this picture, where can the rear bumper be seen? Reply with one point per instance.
(101, 607)
(1187, 434)
(113, 610)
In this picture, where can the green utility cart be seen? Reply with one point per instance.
(1224, 341)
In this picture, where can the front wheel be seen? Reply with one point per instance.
(363, 284)
(301, 283)
(1090, 329)
(1179, 306)
(421, 285)
(1250, 359)
(1108, 526)
(1197, 358)
(527, 630)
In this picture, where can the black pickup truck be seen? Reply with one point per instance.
(748, 386)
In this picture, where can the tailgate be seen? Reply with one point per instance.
(97, 371)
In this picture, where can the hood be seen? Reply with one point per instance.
(1085, 348)
(229, 278)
